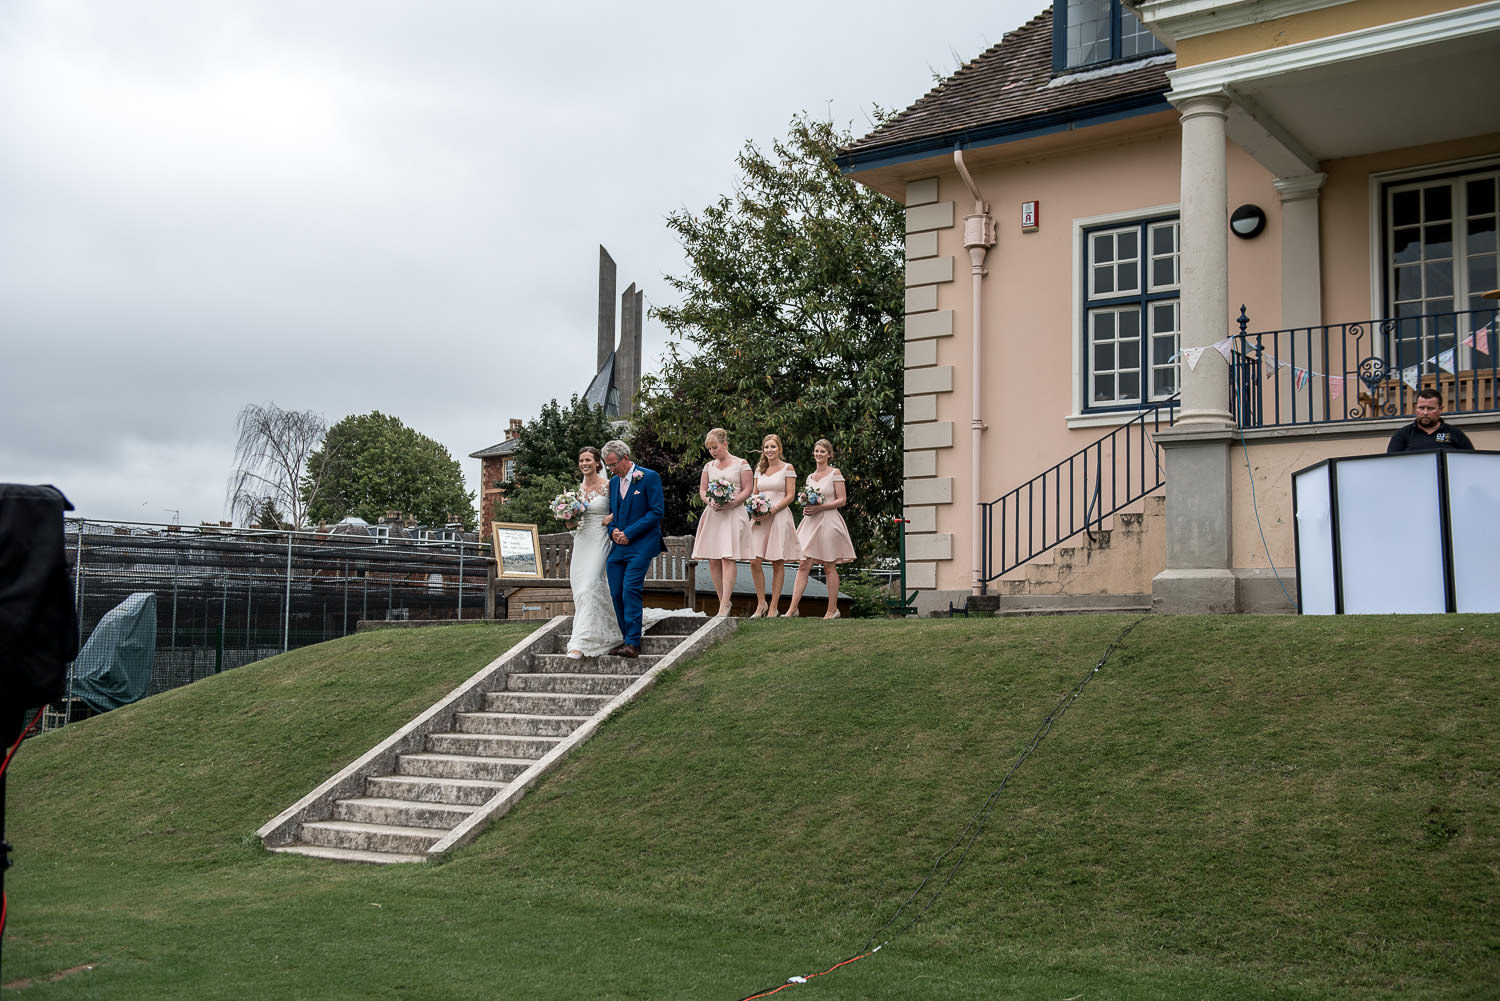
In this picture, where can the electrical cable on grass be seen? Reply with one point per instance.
(1250, 475)
(966, 838)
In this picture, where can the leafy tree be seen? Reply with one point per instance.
(271, 459)
(547, 459)
(790, 322)
(550, 442)
(371, 463)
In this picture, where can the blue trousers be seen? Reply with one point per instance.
(626, 569)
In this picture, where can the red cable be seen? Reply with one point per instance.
(5, 897)
(24, 733)
(803, 980)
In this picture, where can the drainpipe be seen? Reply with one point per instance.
(979, 237)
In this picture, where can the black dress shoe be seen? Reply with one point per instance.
(628, 652)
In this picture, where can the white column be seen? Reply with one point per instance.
(1205, 260)
(1301, 251)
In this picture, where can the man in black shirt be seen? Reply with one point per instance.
(1429, 431)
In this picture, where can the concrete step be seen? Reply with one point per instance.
(370, 837)
(457, 766)
(518, 724)
(677, 625)
(571, 684)
(544, 704)
(401, 813)
(428, 789)
(348, 854)
(560, 663)
(491, 745)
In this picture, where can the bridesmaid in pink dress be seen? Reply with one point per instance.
(723, 529)
(823, 534)
(773, 536)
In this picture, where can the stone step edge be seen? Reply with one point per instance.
(386, 803)
(347, 854)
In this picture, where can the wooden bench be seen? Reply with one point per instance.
(672, 573)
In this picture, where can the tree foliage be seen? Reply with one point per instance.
(271, 486)
(372, 463)
(790, 321)
(547, 459)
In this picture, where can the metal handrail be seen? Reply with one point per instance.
(1133, 471)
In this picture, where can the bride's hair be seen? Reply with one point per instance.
(762, 465)
(598, 457)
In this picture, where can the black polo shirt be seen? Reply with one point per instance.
(1413, 439)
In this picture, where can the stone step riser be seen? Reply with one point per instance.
(557, 663)
(540, 704)
(452, 767)
(569, 684)
(489, 745)
(417, 789)
(517, 725)
(339, 834)
(435, 815)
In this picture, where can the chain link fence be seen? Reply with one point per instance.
(226, 597)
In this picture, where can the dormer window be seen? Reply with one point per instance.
(1094, 32)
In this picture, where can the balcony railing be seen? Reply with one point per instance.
(1074, 496)
(1357, 371)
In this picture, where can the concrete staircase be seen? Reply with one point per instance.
(1111, 572)
(437, 782)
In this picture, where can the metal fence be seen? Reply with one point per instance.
(1368, 369)
(226, 597)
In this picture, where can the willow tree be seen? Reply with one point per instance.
(790, 321)
(269, 486)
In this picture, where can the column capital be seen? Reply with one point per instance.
(1203, 102)
(1291, 189)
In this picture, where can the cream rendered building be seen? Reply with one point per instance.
(1074, 290)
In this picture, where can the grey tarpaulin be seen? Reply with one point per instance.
(114, 667)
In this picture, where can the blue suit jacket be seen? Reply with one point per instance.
(638, 514)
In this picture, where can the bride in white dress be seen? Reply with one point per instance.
(595, 629)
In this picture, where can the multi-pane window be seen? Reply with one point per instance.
(1133, 273)
(1087, 32)
(1441, 256)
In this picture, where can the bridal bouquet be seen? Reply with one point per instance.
(720, 492)
(758, 504)
(567, 506)
(809, 497)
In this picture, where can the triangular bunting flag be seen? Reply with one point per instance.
(1445, 360)
(1335, 386)
(1409, 376)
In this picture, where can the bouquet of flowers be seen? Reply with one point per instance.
(567, 506)
(810, 496)
(758, 504)
(720, 492)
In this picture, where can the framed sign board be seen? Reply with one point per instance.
(517, 550)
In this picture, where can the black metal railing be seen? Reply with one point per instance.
(1075, 495)
(1372, 368)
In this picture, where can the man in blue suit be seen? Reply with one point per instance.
(635, 507)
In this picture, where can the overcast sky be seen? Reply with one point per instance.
(356, 205)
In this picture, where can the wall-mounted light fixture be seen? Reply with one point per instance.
(1247, 221)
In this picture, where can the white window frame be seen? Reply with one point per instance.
(1081, 416)
(1380, 290)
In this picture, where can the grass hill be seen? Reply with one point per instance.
(1245, 807)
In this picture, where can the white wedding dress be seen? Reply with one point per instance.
(595, 629)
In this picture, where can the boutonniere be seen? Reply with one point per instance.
(637, 476)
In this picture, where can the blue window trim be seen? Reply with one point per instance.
(1060, 40)
(1143, 299)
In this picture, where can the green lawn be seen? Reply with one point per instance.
(1237, 807)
